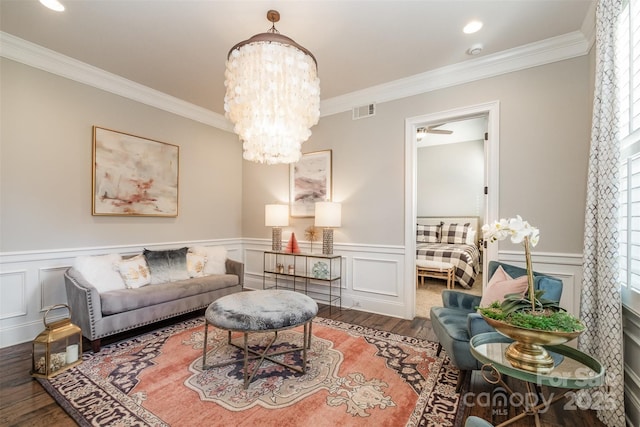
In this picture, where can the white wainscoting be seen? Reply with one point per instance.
(50, 291)
(32, 282)
(13, 301)
(372, 276)
(566, 267)
(373, 279)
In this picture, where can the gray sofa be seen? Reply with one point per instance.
(103, 314)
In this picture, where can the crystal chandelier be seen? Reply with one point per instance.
(273, 95)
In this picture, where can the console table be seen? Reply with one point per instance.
(573, 370)
(316, 275)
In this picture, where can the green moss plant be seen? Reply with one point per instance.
(548, 316)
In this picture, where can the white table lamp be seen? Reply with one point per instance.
(276, 216)
(328, 216)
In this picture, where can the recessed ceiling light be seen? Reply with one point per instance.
(53, 5)
(472, 27)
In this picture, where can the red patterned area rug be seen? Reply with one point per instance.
(355, 376)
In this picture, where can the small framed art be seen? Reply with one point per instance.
(309, 182)
(133, 176)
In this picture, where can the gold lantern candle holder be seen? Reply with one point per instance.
(57, 348)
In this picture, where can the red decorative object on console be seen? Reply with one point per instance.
(292, 246)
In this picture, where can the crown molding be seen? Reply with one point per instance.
(17, 49)
(539, 53)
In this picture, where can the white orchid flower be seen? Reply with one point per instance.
(495, 231)
(535, 236)
(520, 231)
(515, 228)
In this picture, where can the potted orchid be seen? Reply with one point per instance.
(520, 232)
(530, 320)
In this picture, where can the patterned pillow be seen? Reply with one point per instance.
(455, 233)
(167, 266)
(195, 264)
(135, 272)
(428, 233)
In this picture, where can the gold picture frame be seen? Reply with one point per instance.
(133, 176)
(310, 181)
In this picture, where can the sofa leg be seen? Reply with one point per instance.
(95, 345)
(462, 378)
(439, 350)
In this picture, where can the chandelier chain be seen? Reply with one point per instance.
(273, 29)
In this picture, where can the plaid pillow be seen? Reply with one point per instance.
(428, 233)
(455, 233)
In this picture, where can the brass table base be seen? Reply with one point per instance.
(530, 357)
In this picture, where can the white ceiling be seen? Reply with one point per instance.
(179, 47)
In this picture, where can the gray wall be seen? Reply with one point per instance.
(450, 180)
(46, 162)
(45, 167)
(545, 115)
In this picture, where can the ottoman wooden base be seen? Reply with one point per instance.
(436, 270)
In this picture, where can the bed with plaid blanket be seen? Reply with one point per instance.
(464, 258)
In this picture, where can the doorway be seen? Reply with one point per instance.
(450, 182)
(490, 111)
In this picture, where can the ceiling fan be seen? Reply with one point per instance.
(422, 131)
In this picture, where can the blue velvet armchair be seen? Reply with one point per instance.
(457, 321)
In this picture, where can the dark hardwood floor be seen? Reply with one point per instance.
(23, 402)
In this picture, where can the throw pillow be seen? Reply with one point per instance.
(500, 285)
(428, 233)
(101, 271)
(216, 258)
(195, 264)
(167, 265)
(135, 271)
(471, 237)
(454, 233)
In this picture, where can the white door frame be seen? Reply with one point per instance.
(491, 167)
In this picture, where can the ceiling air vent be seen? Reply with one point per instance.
(364, 111)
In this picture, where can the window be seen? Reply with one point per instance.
(628, 66)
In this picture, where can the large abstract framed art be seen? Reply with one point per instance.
(133, 176)
(309, 182)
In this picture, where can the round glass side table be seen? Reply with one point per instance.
(574, 370)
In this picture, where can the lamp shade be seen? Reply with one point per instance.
(276, 215)
(328, 214)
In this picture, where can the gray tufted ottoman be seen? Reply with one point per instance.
(261, 311)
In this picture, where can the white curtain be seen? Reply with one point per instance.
(601, 306)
